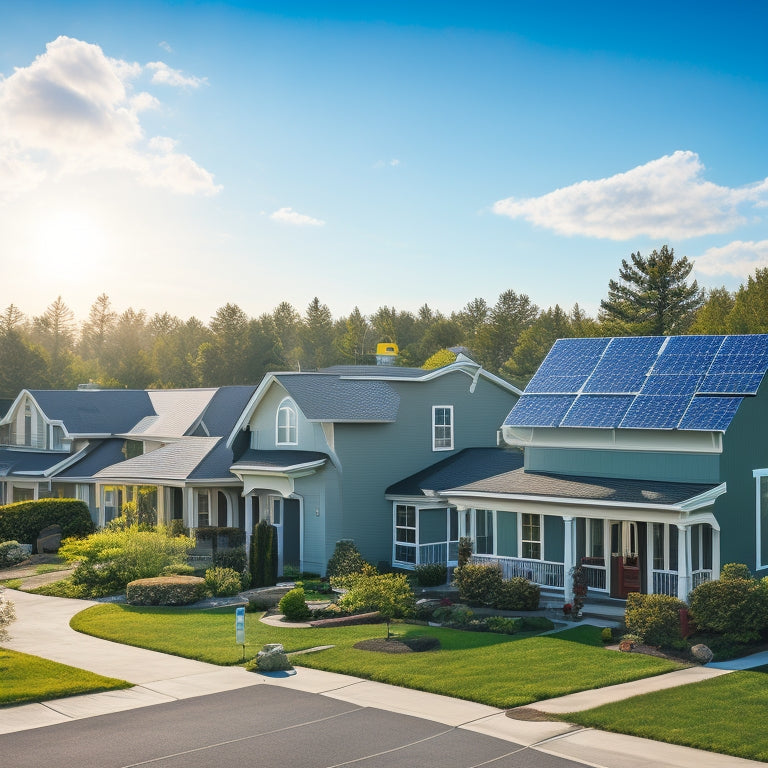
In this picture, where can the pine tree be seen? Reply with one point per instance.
(652, 296)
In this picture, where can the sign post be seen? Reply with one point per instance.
(240, 627)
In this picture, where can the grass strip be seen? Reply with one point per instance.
(725, 714)
(498, 670)
(27, 679)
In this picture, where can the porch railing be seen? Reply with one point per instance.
(699, 577)
(596, 576)
(433, 553)
(665, 583)
(542, 572)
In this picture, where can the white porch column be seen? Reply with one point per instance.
(683, 563)
(189, 514)
(161, 520)
(569, 558)
(715, 553)
(248, 523)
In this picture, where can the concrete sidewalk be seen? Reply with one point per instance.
(42, 628)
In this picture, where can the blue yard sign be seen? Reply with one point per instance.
(240, 625)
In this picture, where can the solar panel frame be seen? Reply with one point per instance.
(576, 356)
(672, 384)
(539, 410)
(709, 414)
(597, 411)
(687, 355)
(730, 384)
(655, 412)
(624, 365)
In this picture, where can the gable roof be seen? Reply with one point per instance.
(94, 411)
(688, 383)
(175, 411)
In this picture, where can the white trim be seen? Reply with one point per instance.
(530, 541)
(287, 407)
(759, 564)
(450, 427)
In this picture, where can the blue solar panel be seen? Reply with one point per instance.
(573, 359)
(742, 354)
(688, 354)
(624, 365)
(655, 412)
(539, 410)
(684, 384)
(731, 383)
(599, 411)
(710, 413)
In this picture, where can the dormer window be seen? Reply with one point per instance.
(442, 427)
(287, 423)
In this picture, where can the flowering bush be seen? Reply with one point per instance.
(7, 615)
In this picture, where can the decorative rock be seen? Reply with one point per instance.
(272, 658)
(626, 646)
(701, 653)
(49, 539)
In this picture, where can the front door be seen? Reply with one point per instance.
(291, 533)
(625, 559)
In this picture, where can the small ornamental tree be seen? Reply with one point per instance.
(264, 555)
(7, 615)
(388, 593)
(345, 560)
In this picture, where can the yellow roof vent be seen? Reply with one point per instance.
(386, 353)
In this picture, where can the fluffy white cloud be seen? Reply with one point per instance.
(738, 259)
(666, 198)
(72, 110)
(167, 76)
(289, 216)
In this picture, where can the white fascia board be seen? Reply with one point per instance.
(705, 499)
(91, 435)
(561, 500)
(660, 441)
(15, 404)
(351, 421)
(268, 470)
(418, 501)
(245, 416)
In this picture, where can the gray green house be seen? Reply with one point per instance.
(324, 446)
(645, 461)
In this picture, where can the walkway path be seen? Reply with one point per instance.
(42, 628)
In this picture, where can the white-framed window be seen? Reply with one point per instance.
(203, 510)
(761, 518)
(595, 538)
(287, 423)
(405, 533)
(531, 539)
(664, 540)
(442, 427)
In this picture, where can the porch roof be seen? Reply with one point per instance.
(276, 461)
(520, 483)
(466, 466)
(28, 462)
(98, 455)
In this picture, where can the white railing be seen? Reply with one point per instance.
(596, 576)
(433, 553)
(543, 572)
(665, 583)
(699, 577)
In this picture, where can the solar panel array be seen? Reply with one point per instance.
(650, 382)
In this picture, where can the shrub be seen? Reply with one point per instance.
(517, 594)
(388, 593)
(223, 582)
(504, 625)
(7, 615)
(236, 559)
(11, 553)
(736, 608)
(431, 574)
(606, 635)
(345, 560)
(24, 520)
(166, 590)
(178, 569)
(655, 618)
(478, 584)
(264, 556)
(465, 551)
(294, 606)
(454, 615)
(732, 571)
(110, 559)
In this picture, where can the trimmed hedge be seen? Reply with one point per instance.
(431, 574)
(294, 606)
(655, 618)
(345, 560)
(735, 608)
(223, 582)
(264, 557)
(24, 520)
(517, 594)
(166, 590)
(478, 584)
(221, 537)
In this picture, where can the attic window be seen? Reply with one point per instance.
(287, 423)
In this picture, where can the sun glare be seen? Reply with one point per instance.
(68, 241)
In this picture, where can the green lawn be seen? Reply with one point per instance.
(492, 669)
(28, 678)
(725, 714)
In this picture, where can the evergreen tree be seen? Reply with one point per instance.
(750, 306)
(652, 296)
(497, 338)
(713, 316)
(317, 335)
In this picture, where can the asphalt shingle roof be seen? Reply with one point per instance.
(376, 371)
(103, 454)
(467, 466)
(24, 462)
(328, 397)
(522, 483)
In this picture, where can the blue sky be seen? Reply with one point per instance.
(178, 156)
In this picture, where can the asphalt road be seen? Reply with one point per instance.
(262, 726)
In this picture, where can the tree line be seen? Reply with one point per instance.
(652, 295)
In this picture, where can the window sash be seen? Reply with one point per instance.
(442, 427)
(530, 536)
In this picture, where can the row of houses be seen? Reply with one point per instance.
(643, 459)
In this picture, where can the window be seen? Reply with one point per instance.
(405, 533)
(442, 427)
(595, 539)
(287, 423)
(761, 520)
(664, 547)
(530, 543)
(484, 532)
(203, 518)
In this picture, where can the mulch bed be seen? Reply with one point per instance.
(529, 714)
(399, 645)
